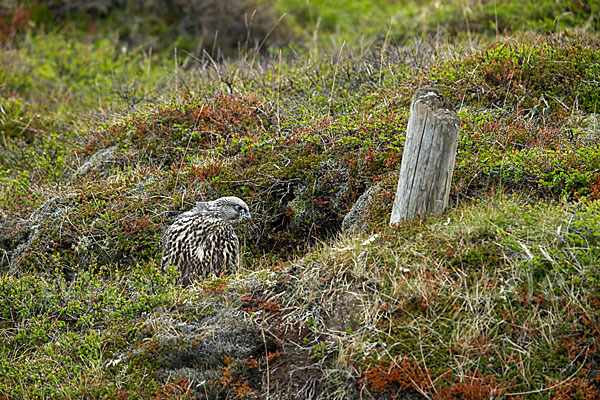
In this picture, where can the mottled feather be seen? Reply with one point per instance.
(202, 241)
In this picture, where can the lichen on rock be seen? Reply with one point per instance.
(99, 164)
(18, 236)
(355, 222)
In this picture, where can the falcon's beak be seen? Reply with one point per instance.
(246, 216)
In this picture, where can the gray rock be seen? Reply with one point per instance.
(355, 222)
(205, 343)
(99, 163)
(199, 349)
(16, 237)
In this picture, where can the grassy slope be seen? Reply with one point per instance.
(498, 297)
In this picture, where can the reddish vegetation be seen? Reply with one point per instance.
(473, 388)
(13, 23)
(271, 356)
(251, 363)
(204, 174)
(401, 375)
(132, 227)
(179, 389)
(215, 290)
(407, 375)
(578, 388)
(238, 388)
(583, 348)
(251, 303)
(595, 188)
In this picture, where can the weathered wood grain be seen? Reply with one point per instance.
(428, 158)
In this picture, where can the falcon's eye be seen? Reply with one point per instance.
(238, 208)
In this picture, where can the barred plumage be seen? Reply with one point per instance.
(202, 241)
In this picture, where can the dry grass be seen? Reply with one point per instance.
(489, 322)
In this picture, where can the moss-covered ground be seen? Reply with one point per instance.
(109, 130)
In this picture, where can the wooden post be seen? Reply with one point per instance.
(428, 157)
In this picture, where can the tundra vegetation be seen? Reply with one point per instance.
(116, 116)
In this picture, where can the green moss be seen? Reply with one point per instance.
(539, 76)
(84, 322)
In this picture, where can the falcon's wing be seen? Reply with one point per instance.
(227, 258)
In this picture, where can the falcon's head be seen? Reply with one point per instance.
(231, 209)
